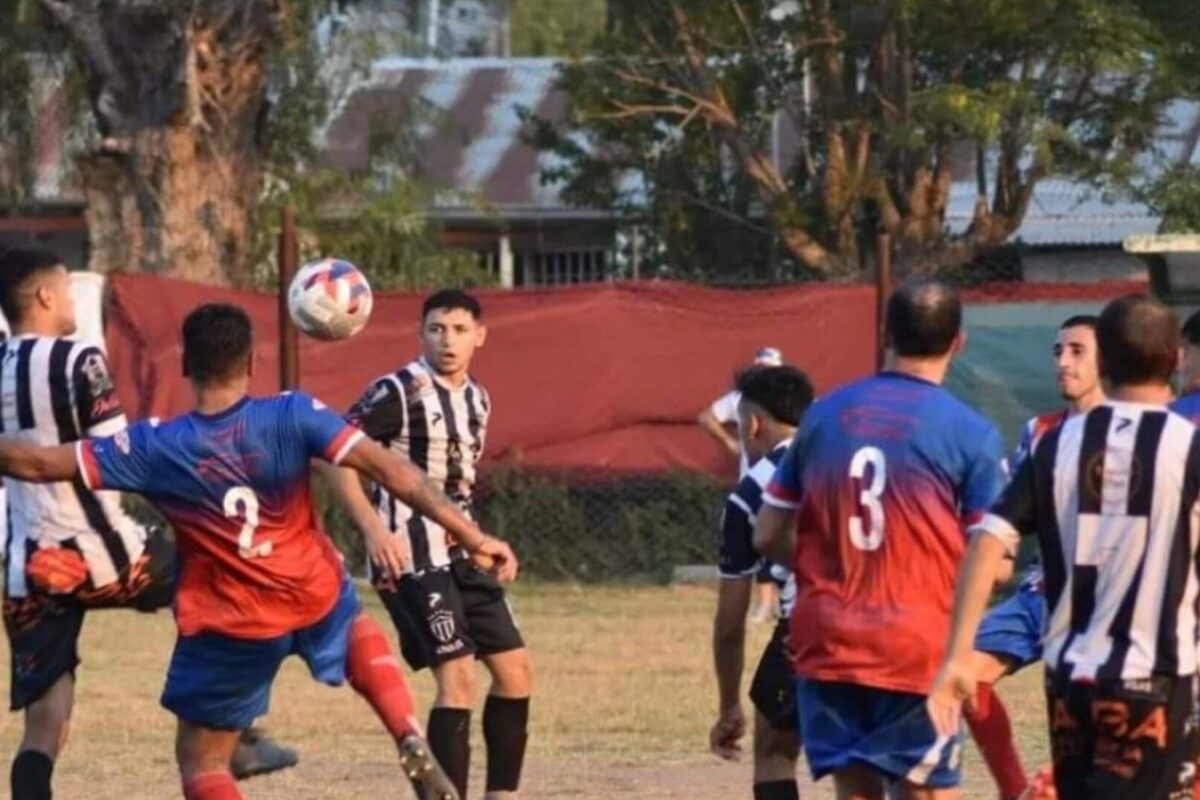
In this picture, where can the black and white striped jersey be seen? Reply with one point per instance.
(736, 557)
(441, 429)
(53, 391)
(1112, 496)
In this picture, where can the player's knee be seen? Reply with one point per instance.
(457, 683)
(47, 725)
(771, 744)
(512, 674)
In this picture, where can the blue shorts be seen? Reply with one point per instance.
(1013, 629)
(846, 724)
(221, 682)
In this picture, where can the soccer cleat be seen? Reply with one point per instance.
(423, 770)
(257, 754)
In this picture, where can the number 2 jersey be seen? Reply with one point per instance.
(884, 475)
(253, 560)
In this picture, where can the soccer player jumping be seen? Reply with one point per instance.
(869, 504)
(259, 581)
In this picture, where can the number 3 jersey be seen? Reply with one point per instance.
(884, 475)
(254, 562)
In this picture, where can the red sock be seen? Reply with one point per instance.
(211, 786)
(993, 734)
(375, 674)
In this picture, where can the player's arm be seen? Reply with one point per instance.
(388, 552)
(716, 429)
(737, 563)
(995, 535)
(36, 464)
(415, 489)
(775, 525)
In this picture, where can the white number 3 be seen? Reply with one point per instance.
(242, 503)
(872, 537)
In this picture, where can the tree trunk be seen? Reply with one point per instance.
(177, 90)
(171, 207)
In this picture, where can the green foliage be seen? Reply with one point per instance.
(555, 27)
(673, 119)
(1175, 196)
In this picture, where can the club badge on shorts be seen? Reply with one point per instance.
(441, 620)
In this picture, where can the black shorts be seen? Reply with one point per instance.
(43, 629)
(1123, 739)
(773, 690)
(449, 613)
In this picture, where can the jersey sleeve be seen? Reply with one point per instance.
(1012, 516)
(121, 462)
(326, 435)
(737, 556)
(381, 412)
(785, 489)
(725, 408)
(100, 412)
(987, 472)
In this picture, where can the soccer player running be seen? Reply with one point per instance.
(771, 404)
(869, 503)
(1111, 496)
(448, 610)
(1010, 636)
(258, 579)
(1188, 402)
(70, 550)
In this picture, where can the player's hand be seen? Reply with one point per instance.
(953, 686)
(725, 737)
(389, 553)
(497, 557)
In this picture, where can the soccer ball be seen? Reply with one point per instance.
(330, 299)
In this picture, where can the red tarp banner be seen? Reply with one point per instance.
(608, 376)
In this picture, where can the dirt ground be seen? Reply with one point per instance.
(623, 703)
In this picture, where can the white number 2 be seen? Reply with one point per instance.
(242, 503)
(872, 537)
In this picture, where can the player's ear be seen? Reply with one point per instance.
(960, 343)
(481, 333)
(250, 364)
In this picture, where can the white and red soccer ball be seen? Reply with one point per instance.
(330, 299)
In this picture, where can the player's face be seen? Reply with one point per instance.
(449, 338)
(1075, 357)
(749, 431)
(53, 293)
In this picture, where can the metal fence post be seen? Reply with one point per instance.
(289, 345)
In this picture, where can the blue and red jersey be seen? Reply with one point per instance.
(1188, 406)
(885, 474)
(254, 562)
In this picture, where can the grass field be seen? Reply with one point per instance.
(623, 703)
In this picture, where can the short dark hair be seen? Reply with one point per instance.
(449, 299)
(923, 319)
(217, 340)
(1080, 321)
(1191, 330)
(17, 266)
(1137, 341)
(783, 392)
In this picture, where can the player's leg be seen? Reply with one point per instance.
(43, 634)
(216, 687)
(768, 595)
(497, 638)
(991, 728)
(428, 614)
(859, 782)
(203, 755)
(1009, 638)
(776, 725)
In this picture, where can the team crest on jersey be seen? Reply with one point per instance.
(441, 624)
(122, 441)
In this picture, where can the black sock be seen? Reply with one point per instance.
(31, 776)
(450, 741)
(777, 790)
(505, 729)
